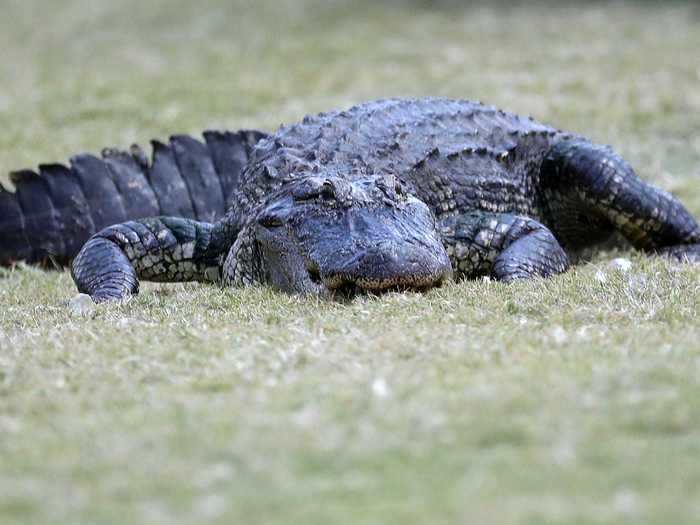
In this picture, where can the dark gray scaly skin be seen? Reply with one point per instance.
(400, 193)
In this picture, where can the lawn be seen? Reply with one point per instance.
(570, 400)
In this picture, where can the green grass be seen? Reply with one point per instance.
(571, 400)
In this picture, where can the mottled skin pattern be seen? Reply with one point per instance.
(399, 193)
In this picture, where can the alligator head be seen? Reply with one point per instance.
(327, 235)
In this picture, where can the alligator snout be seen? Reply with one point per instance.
(330, 238)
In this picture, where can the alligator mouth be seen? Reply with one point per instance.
(345, 287)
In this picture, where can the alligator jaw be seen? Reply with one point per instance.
(340, 286)
(345, 287)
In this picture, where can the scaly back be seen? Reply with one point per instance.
(453, 154)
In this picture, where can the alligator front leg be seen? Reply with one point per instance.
(588, 189)
(164, 249)
(507, 247)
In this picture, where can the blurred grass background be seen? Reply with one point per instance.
(572, 400)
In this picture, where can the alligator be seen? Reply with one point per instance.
(391, 194)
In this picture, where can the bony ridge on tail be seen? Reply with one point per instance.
(390, 194)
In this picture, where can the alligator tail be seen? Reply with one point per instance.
(54, 210)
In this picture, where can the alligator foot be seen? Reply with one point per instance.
(507, 247)
(163, 249)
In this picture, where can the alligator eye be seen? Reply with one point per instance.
(270, 221)
(328, 190)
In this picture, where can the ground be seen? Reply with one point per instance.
(570, 400)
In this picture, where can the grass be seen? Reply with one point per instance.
(571, 400)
